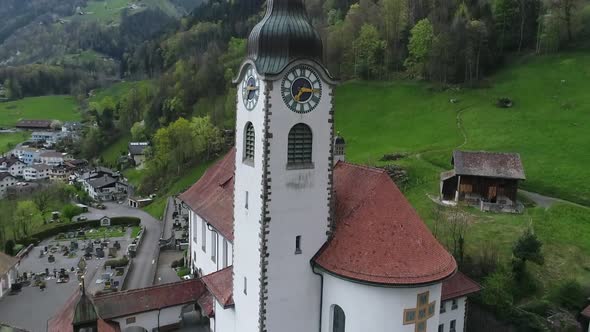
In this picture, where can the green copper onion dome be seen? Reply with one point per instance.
(284, 34)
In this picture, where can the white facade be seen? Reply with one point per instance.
(51, 137)
(36, 172)
(27, 155)
(149, 320)
(51, 158)
(6, 281)
(7, 181)
(452, 317)
(209, 254)
(15, 169)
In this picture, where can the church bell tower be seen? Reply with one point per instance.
(283, 174)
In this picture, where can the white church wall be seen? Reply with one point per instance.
(202, 259)
(149, 320)
(298, 206)
(375, 309)
(247, 217)
(225, 320)
(457, 314)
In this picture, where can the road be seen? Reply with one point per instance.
(144, 264)
(546, 201)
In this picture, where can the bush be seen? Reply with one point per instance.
(70, 211)
(114, 263)
(9, 247)
(64, 228)
(183, 271)
(178, 263)
(569, 295)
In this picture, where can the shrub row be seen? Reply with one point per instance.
(64, 228)
(114, 263)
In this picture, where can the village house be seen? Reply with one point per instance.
(12, 165)
(485, 179)
(155, 308)
(49, 137)
(34, 124)
(60, 173)
(8, 272)
(52, 158)
(27, 154)
(103, 184)
(137, 152)
(37, 172)
(286, 239)
(70, 128)
(6, 181)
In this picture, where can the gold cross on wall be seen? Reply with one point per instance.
(420, 315)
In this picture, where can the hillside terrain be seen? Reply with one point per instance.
(63, 108)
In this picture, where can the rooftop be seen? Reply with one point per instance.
(137, 148)
(6, 263)
(458, 285)
(102, 181)
(33, 123)
(488, 164)
(221, 285)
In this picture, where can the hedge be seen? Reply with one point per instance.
(114, 263)
(64, 228)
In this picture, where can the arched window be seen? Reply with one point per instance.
(300, 143)
(249, 142)
(338, 319)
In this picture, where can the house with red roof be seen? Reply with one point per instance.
(286, 236)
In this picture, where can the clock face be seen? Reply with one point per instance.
(301, 89)
(250, 89)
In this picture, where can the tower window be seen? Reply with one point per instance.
(249, 141)
(300, 145)
(297, 244)
(245, 285)
(338, 319)
(246, 205)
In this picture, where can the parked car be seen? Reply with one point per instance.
(101, 206)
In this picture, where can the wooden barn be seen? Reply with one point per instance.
(483, 178)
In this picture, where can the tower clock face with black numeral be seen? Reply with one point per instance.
(301, 89)
(250, 89)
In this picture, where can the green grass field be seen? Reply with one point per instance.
(548, 126)
(115, 150)
(63, 108)
(9, 140)
(109, 11)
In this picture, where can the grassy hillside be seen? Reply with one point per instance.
(111, 155)
(9, 140)
(548, 126)
(62, 108)
(109, 11)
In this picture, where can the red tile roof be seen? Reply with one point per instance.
(150, 298)
(586, 312)
(62, 321)
(221, 285)
(378, 237)
(212, 196)
(457, 286)
(207, 305)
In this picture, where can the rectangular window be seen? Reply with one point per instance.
(130, 320)
(452, 328)
(225, 253)
(246, 204)
(409, 316)
(454, 305)
(245, 286)
(204, 236)
(443, 308)
(297, 244)
(441, 328)
(214, 247)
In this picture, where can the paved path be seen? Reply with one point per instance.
(547, 201)
(144, 264)
(165, 274)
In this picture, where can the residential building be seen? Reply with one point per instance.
(105, 188)
(52, 158)
(286, 241)
(28, 155)
(137, 152)
(12, 165)
(34, 124)
(49, 137)
(6, 181)
(60, 173)
(37, 172)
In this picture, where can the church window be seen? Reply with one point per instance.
(249, 142)
(297, 244)
(453, 327)
(225, 253)
(454, 305)
(214, 247)
(431, 309)
(443, 308)
(421, 327)
(245, 285)
(299, 146)
(441, 328)
(246, 204)
(338, 319)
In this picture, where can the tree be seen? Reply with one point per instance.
(70, 211)
(395, 19)
(26, 216)
(528, 248)
(369, 50)
(419, 48)
(9, 247)
(138, 132)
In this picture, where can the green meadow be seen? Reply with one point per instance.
(62, 108)
(9, 140)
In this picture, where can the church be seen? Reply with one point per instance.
(289, 237)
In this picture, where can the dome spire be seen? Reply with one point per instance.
(283, 35)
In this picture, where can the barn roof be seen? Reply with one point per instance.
(137, 148)
(33, 123)
(212, 196)
(457, 286)
(378, 237)
(488, 164)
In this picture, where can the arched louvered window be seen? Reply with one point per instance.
(300, 143)
(249, 139)
(338, 319)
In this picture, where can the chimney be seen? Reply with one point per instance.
(339, 145)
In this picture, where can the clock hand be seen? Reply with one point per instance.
(251, 88)
(309, 90)
(298, 95)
